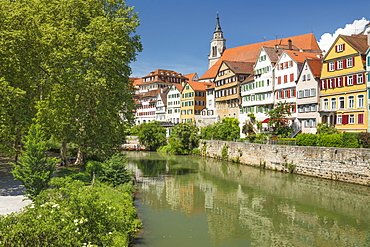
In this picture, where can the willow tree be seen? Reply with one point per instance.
(83, 50)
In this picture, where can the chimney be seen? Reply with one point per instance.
(290, 47)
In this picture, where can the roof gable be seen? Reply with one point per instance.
(353, 44)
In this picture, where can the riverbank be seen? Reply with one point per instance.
(342, 164)
(11, 191)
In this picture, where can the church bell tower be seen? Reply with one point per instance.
(218, 44)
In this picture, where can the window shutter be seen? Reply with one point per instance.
(353, 61)
(288, 93)
(294, 92)
(326, 83)
(345, 80)
(336, 48)
(277, 95)
(360, 119)
(336, 82)
(354, 79)
(344, 46)
(328, 64)
(344, 119)
(344, 63)
(336, 65)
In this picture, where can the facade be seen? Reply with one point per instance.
(227, 87)
(343, 89)
(286, 74)
(208, 114)
(146, 107)
(193, 97)
(173, 104)
(160, 78)
(161, 106)
(308, 95)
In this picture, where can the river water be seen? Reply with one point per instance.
(194, 201)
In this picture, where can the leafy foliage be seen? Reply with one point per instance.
(66, 64)
(71, 214)
(350, 140)
(258, 138)
(184, 138)
(34, 168)
(364, 139)
(278, 119)
(334, 140)
(227, 130)
(305, 139)
(151, 135)
(114, 172)
(324, 128)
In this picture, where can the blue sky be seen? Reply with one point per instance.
(176, 34)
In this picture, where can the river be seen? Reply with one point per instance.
(194, 201)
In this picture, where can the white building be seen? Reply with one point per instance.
(286, 74)
(173, 104)
(161, 106)
(308, 97)
(208, 114)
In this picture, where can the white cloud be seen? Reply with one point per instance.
(356, 27)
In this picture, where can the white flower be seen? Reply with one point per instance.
(109, 232)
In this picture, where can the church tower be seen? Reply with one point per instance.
(218, 44)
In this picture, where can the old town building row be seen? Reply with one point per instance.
(330, 88)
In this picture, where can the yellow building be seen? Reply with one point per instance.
(193, 100)
(343, 98)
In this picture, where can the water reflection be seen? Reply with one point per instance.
(192, 201)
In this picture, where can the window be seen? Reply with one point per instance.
(360, 100)
(350, 80)
(340, 48)
(303, 77)
(341, 102)
(333, 103)
(307, 93)
(360, 118)
(279, 80)
(360, 78)
(326, 104)
(331, 66)
(313, 92)
(339, 119)
(340, 64)
(351, 101)
(308, 77)
(349, 62)
(291, 77)
(351, 119)
(300, 94)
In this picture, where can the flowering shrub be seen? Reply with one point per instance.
(72, 214)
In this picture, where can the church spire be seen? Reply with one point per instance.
(218, 26)
(218, 44)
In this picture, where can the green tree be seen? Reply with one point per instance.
(184, 138)
(151, 135)
(278, 118)
(71, 58)
(228, 129)
(34, 168)
(324, 128)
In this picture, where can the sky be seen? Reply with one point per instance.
(176, 34)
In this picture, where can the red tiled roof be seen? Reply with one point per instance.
(199, 86)
(315, 65)
(249, 53)
(300, 57)
(240, 67)
(190, 76)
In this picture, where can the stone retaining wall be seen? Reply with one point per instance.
(343, 164)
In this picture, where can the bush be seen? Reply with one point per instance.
(364, 139)
(334, 140)
(305, 139)
(151, 135)
(350, 140)
(184, 138)
(71, 214)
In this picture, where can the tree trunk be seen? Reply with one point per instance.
(80, 157)
(63, 152)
